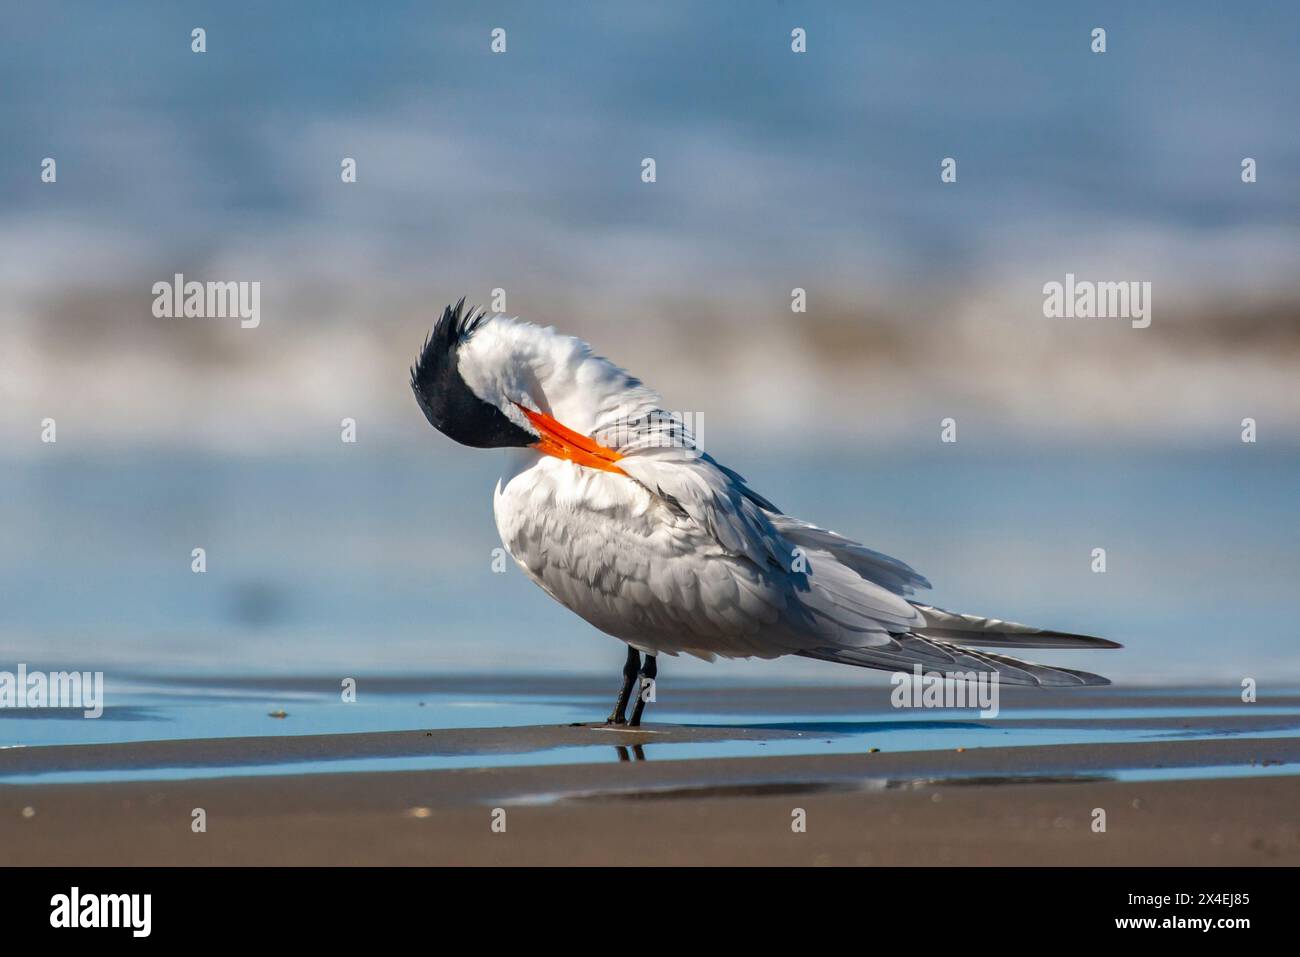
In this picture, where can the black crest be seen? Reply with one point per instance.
(447, 402)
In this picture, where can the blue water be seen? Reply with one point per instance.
(344, 566)
(179, 710)
(384, 562)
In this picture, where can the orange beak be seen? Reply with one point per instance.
(564, 443)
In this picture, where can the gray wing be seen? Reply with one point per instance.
(834, 599)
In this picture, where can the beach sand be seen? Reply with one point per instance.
(1033, 805)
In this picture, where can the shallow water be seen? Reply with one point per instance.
(181, 709)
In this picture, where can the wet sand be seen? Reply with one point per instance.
(985, 805)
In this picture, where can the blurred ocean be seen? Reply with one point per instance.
(351, 562)
(775, 171)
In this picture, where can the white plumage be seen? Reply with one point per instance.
(673, 553)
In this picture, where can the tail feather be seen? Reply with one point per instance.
(865, 629)
(996, 633)
(905, 651)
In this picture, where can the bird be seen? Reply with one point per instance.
(609, 505)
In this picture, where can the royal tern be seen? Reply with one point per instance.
(610, 508)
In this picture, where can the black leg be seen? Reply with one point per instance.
(617, 716)
(648, 673)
